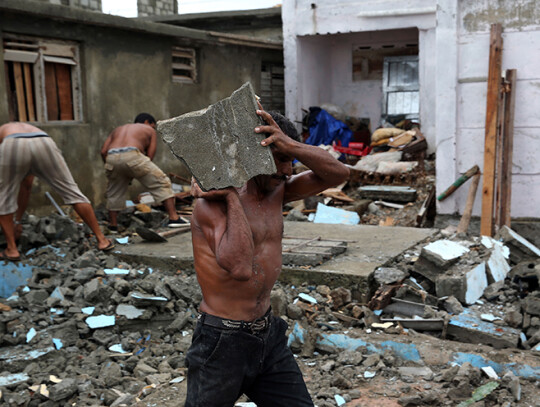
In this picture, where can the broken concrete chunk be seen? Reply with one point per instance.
(218, 143)
(531, 304)
(497, 266)
(469, 327)
(443, 253)
(467, 287)
(13, 379)
(520, 248)
(388, 275)
(63, 390)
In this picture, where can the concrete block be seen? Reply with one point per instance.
(218, 143)
(469, 327)
(63, 390)
(467, 287)
(443, 253)
(520, 248)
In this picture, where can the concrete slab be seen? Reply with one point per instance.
(368, 247)
(219, 144)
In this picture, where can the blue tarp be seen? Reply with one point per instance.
(324, 129)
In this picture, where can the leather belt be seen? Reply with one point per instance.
(253, 327)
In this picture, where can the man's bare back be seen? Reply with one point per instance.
(136, 135)
(16, 127)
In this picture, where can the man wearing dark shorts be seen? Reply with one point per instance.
(238, 346)
(25, 151)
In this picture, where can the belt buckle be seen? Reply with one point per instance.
(257, 326)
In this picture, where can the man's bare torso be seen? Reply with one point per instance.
(243, 300)
(132, 135)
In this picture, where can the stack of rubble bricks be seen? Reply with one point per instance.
(457, 270)
(156, 7)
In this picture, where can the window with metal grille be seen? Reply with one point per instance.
(42, 79)
(184, 65)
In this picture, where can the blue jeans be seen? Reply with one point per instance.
(223, 364)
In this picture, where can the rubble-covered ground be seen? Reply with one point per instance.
(90, 330)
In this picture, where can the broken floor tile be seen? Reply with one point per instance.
(328, 214)
(219, 144)
(129, 311)
(88, 310)
(100, 321)
(116, 271)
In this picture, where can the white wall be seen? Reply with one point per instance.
(521, 51)
(454, 56)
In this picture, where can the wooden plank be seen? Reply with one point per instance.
(51, 92)
(498, 161)
(19, 89)
(65, 102)
(28, 85)
(467, 212)
(490, 140)
(508, 147)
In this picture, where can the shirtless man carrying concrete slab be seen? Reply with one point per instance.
(239, 346)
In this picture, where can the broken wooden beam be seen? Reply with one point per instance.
(467, 212)
(457, 183)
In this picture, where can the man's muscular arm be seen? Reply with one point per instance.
(325, 172)
(105, 147)
(151, 150)
(221, 218)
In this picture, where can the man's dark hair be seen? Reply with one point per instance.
(285, 125)
(142, 117)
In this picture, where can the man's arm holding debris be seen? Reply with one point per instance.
(325, 172)
(221, 219)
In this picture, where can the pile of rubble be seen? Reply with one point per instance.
(88, 329)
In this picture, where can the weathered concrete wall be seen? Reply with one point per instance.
(94, 5)
(521, 51)
(453, 40)
(125, 73)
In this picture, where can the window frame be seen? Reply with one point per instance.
(48, 51)
(179, 51)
